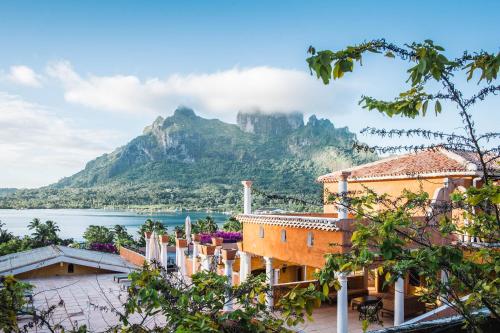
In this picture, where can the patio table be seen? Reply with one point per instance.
(363, 299)
(368, 307)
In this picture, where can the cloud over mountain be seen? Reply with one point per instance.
(219, 94)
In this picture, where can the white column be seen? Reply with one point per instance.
(164, 251)
(243, 274)
(399, 302)
(182, 262)
(342, 191)
(248, 265)
(195, 255)
(228, 272)
(177, 256)
(276, 276)
(270, 280)
(247, 196)
(342, 306)
(147, 237)
(245, 265)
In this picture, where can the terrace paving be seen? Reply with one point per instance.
(78, 292)
(88, 299)
(325, 321)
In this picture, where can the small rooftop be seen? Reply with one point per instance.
(427, 163)
(296, 220)
(25, 261)
(84, 298)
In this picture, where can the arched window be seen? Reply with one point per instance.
(310, 239)
(283, 235)
(261, 232)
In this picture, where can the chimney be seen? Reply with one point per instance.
(247, 196)
(342, 209)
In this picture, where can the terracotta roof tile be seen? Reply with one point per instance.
(423, 163)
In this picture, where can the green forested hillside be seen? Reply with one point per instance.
(185, 161)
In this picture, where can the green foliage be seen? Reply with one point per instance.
(16, 244)
(98, 234)
(5, 235)
(206, 172)
(121, 237)
(12, 302)
(44, 233)
(204, 226)
(150, 226)
(400, 233)
(198, 306)
(298, 304)
(232, 224)
(429, 63)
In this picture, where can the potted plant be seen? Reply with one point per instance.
(229, 254)
(217, 241)
(207, 250)
(181, 242)
(164, 238)
(196, 237)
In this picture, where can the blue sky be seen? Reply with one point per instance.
(78, 79)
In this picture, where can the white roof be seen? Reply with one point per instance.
(29, 260)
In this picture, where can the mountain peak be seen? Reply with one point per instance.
(277, 123)
(184, 111)
(156, 124)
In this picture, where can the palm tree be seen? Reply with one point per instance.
(5, 235)
(121, 236)
(151, 226)
(44, 233)
(52, 230)
(34, 224)
(206, 225)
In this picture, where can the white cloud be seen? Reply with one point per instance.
(220, 94)
(37, 147)
(24, 75)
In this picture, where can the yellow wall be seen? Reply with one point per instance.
(395, 187)
(60, 269)
(295, 249)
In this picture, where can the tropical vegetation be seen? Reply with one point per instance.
(458, 273)
(185, 161)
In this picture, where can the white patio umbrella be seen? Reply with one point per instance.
(154, 248)
(187, 229)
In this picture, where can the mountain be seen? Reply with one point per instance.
(188, 161)
(6, 191)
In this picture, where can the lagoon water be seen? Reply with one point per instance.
(73, 222)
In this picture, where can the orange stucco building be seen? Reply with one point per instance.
(304, 239)
(290, 248)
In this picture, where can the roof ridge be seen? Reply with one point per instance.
(369, 164)
(471, 166)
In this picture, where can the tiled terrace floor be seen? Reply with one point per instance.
(325, 321)
(78, 291)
